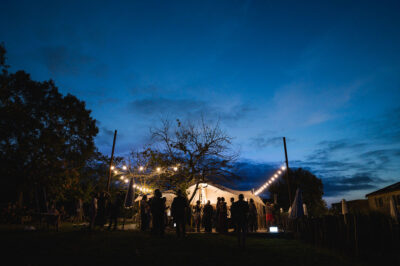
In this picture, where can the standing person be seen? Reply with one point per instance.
(269, 215)
(207, 217)
(197, 215)
(223, 216)
(144, 213)
(241, 209)
(79, 211)
(102, 209)
(54, 217)
(252, 216)
(93, 211)
(217, 211)
(157, 211)
(178, 211)
(230, 216)
(115, 211)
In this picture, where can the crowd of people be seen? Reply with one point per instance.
(240, 215)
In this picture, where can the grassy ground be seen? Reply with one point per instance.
(73, 246)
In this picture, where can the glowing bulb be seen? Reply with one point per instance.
(158, 169)
(279, 172)
(175, 168)
(141, 168)
(115, 172)
(134, 185)
(122, 177)
(283, 168)
(275, 175)
(126, 180)
(112, 167)
(124, 167)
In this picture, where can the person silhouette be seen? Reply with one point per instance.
(178, 211)
(252, 216)
(197, 215)
(158, 211)
(207, 216)
(241, 209)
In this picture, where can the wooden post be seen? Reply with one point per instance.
(287, 171)
(111, 161)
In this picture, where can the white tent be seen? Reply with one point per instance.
(211, 192)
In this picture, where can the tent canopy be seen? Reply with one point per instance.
(211, 192)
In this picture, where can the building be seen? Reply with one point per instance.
(353, 206)
(380, 200)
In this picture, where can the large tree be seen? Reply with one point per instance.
(311, 187)
(190, 152)
(45, 137)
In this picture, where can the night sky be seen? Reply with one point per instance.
(324, 75)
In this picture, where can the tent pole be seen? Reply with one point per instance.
(287, 171)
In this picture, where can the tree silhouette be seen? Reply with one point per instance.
(310, 185)
(200, 151)
(45, 137)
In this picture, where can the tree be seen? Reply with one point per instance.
(45, 137)
(200, 152)
(310, 185)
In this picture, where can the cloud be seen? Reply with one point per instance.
(383, 128)
(263, 142)
(328, 148)
(188, 108)
(63, 60)
(361, 181)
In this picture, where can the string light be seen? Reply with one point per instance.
(158, 169)
(175, 168)
(272, 179)
(141, 168)
(124, 167)
(112, 167)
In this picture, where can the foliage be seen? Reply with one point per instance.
(310, 185)
(45, 137)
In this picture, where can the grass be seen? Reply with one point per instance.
(72, 246)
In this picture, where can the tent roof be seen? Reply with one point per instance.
(211, 192)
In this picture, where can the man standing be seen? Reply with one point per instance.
(241, 209)
(157, 211)
(207, 217)
(197, 215)
(252, 216)
(178, 210)
(144, 213)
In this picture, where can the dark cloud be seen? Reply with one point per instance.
(187, 108)
(64, 60)
(336, 186)
(327, 148)
(262, 142)
(383, 128)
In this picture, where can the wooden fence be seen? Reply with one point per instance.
(371, 237)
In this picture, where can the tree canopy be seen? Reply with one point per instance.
(310, 185)
(45, 137)
(185, 153)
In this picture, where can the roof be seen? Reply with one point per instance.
(211, 191)
(391, 188)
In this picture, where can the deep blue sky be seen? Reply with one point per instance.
(323, 74)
